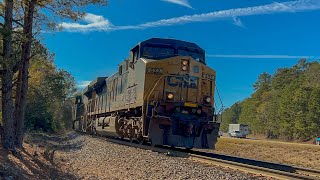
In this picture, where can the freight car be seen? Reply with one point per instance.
(163, 93)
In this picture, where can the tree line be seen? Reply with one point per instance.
(285, 105)
(48, 102)
(21, 25)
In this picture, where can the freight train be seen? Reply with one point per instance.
(162, 94)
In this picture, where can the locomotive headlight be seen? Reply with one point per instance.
(184, 65)
(170, 96)
(184, 68)
(208, 99)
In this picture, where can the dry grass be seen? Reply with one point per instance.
(305, 155)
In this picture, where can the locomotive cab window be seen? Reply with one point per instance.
(120, 70)
(135, 53)
(157, 52)
(134, 56)
(127, 65)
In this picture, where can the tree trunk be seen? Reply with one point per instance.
(7, 101)
(7, 110)
(22, 86)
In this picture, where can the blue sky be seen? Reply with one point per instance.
(242, 38)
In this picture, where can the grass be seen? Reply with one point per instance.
(305, 155)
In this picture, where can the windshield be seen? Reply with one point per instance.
(195, 55)
(161, 52)
(157, 52)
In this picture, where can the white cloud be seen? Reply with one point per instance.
(93, 23)
(184, 3)
(98, 23)
(238, 22)
(83, 84)
(289, 6)
(257, 56)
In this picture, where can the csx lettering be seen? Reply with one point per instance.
(185, 82)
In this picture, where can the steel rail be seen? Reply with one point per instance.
(262, 168)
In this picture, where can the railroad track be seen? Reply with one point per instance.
(275, 170)
(263, 168)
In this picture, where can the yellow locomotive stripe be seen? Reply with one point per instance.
(190, 104)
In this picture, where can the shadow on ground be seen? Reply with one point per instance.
(56, 142)
(36, 159)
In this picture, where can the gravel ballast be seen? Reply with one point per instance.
(98, 159)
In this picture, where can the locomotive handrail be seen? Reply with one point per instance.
(152, 91)
(148, 95)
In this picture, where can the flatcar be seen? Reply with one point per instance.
(163, 93)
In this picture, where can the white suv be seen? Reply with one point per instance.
(237, 134)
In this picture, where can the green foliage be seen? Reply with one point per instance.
(285, 105)
(48, 101)
(230, 116)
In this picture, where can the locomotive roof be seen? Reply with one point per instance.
(99, 81)
(172, 42)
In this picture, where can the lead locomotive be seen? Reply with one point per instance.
(163, 93)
